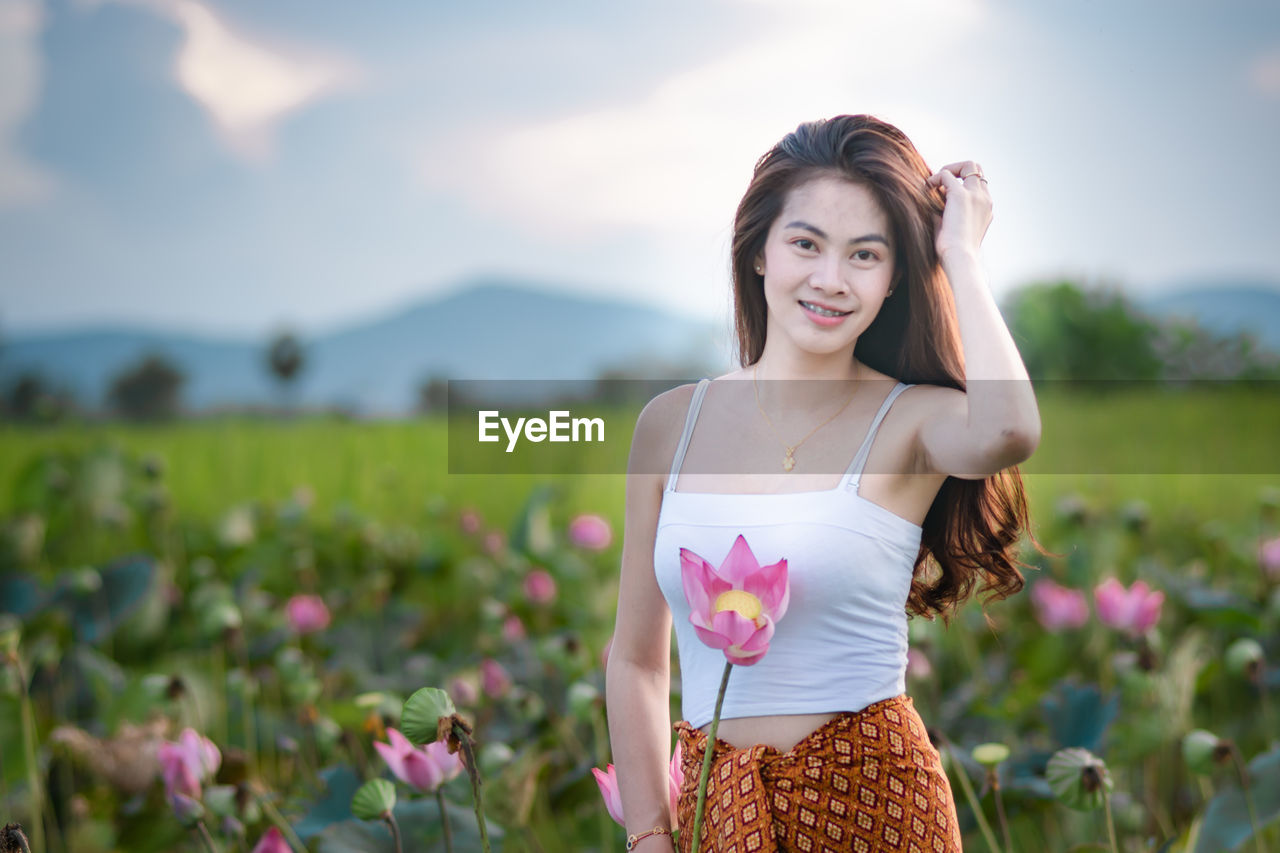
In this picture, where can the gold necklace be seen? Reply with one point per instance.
(789, 460)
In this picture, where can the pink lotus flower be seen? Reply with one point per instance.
(306, 614)
(1058, 607)
(675, 776)
(494, 543)
(607, 781)
(918, 664)
(736, 606)
(425, 768)
(463, 690)
(272, 842)
(494, 679)
(185, 765)
(590, 532)
(1269, 558)
(540, 587)
(513, 629)
(1132, 611)
(469, 521)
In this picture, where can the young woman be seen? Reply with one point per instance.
(861, 311)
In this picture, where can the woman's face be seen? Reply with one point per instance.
(828, 249)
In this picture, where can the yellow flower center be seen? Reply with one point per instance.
(746, 604)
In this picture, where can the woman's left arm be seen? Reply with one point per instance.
(995, 422)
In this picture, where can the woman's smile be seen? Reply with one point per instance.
(822, 315)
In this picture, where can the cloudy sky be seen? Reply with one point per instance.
(229, 166)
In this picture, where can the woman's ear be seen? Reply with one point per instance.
(759, 265)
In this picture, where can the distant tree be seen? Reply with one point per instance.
(29, 397)
(433, 396)
(1190, 352)
(285, 360)
(149, 390)
(1066, 332)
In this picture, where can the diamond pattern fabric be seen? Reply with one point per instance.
(866, 781)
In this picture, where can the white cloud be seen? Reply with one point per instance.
(1264, 73)
(672, 159)
(21, 69)
(243, 83)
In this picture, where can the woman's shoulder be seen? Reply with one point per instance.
(658, 427)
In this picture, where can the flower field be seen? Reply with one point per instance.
(209, 632)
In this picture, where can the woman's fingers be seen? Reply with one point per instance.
(962, 170)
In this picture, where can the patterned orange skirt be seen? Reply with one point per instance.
(866, 780)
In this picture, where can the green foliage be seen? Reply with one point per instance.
(374, 799)
(1227, 824)
(420, 718)
(1067, 333)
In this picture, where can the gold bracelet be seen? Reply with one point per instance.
(632, 840)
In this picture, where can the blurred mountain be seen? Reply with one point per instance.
(1222, 307)
(487, 328)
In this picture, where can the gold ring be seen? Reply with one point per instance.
(977, 175)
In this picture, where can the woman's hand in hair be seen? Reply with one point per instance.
(967, 212)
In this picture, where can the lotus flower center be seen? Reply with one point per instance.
(744, 603)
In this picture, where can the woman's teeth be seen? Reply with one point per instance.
(824, 311)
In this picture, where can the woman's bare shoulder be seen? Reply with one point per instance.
(658, 429)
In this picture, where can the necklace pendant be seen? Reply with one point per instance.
(789, 461)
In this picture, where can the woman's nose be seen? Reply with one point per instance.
(827, 278)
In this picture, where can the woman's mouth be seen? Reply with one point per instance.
(823, 316)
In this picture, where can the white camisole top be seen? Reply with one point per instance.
(842, 644)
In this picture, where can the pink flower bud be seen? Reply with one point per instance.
(918, 665)
(1058, 607)
(272, 842)
(513, 629)
(306, 614)
(591, 532)
(607, 781)
(424, 768)
(469, 521)
(1133, 610)
(494, 678)
(539, 587)
(463, 691)
(1269, 558)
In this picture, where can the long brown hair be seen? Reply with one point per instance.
(973, 526)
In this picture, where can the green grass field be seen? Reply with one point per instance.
(1208, 451)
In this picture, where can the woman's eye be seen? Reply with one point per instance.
(865, 255)
(803, 243)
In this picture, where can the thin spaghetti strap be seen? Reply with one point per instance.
(854, 472)
(694, 405)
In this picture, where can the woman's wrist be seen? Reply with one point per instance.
(638, 838)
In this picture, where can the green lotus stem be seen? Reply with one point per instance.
(444, 821)
(707, 754)
(1248, 801)
(246, 705)
(29, 754)
(1111, 826)
(1265, 699)
(269, 809)
(1004, 821)
(969, 795)
(203, 832)
(395, 830)
(473, 770)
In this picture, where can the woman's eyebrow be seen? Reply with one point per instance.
(865, 238)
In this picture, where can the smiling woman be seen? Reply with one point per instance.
(863, 321)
